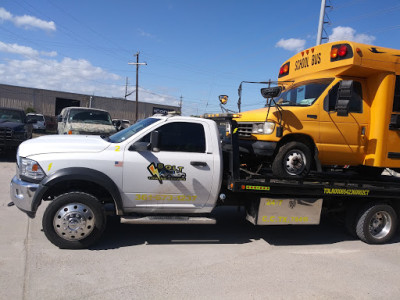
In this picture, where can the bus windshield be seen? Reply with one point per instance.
(303, 94)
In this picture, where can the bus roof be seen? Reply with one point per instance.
(343, 58)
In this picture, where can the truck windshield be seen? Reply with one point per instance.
(128, 132)
(8, 115)
(303, 94)
(90, 116)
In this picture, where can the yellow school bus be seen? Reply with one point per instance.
(335, 104)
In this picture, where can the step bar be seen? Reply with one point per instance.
(168, 220)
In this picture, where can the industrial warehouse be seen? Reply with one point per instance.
(50, 103)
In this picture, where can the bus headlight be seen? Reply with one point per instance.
(263, 128)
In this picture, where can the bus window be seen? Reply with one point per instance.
(355, 105)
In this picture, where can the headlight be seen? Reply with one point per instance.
(30, 169)
(263, 128)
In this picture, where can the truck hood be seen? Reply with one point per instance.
(63, 144)
(87, 128)
(260, 115)
(257, 115)
(9, 124)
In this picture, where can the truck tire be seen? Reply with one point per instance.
(292, 161)
(376, 223)
(74, 220)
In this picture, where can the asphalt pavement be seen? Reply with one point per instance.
(230, 260)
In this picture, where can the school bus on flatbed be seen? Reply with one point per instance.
(335, 104)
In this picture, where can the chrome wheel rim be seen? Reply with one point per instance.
(295, 162)
(380, 224)
(74, 221)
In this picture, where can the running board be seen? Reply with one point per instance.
(167, 220)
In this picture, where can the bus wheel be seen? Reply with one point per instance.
(376, 223)
(74, 220)
(292, 161)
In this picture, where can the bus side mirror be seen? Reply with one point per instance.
(345, 92)
(59, 118)
(155, 141)
(271, 92)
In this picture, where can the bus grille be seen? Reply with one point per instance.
(245, 129)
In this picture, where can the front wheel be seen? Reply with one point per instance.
(376, 223)
(292, 161)
(74, 220)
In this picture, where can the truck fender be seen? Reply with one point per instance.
(84, 174)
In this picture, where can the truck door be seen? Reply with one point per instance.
(343, 138)
(178, 177)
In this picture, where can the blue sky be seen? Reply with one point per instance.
(194, 49)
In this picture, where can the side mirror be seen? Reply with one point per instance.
(345, 92)
(155, 141)
(59, 118)
(271, 92)
(223, 99)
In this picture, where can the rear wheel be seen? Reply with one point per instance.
(292, 161)
(376, 223)
(74, 220)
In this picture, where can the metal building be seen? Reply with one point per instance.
(50, 103)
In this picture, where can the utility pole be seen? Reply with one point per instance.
(137, 83)
(322, 22)
(126, 87)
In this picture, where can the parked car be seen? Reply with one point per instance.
(82, 120)
(40, 124)
(14, 128)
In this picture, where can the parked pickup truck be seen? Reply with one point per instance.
(14, 128)
(173, 169)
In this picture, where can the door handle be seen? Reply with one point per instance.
(198, 163)
(312, 116)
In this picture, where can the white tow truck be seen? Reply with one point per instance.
(173, 169)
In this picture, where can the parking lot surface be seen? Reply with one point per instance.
(230, 260)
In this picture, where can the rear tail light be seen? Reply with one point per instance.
(341, 51)
(284, 70)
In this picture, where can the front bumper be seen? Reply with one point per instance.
(259, 148)
(23, 195)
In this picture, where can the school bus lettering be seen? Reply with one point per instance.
(316, 59)
(301, 63)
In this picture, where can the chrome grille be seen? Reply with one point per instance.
(245, 129)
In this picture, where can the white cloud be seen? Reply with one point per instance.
(4, 15)
(17, 49)
(149, 96)
(341, 33)
(26, 21)
(24, 50)
(69, 75)
(291, 44)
